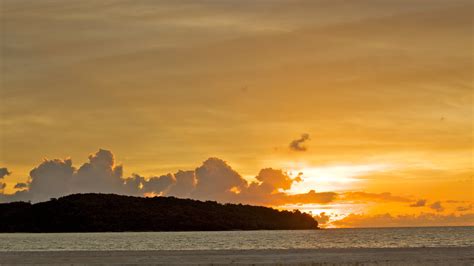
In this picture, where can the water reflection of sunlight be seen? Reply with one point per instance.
(336, 211)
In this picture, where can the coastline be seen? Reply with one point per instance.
(330, 256)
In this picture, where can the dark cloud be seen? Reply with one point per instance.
(437, 206)
(298, 144)
(185, 182)
(158, 185)
(4, 172)
(134, 185)
(419, 203)
(56, 178)
(100, 174)
(216, 180)
(21, 186)
(51, 179)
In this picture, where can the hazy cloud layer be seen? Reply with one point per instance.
(437, 206)
(215, 179)
(373, 197)
(464, 208)
(388, 220)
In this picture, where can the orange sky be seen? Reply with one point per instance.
(383, 89)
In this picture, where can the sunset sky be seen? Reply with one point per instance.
(358, 111)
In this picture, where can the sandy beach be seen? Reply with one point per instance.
(352, 256)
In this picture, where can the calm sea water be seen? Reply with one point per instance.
(328, 238)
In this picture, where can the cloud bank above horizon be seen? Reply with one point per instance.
(214, 180)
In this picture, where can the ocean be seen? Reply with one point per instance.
(242, 240)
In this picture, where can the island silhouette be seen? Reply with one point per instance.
(116, 213)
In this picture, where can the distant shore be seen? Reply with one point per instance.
(348, 256)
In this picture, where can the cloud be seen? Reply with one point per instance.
(52, 178)
(388, 220)
(464, 208)
(322, 219)
(21, 186)
(4, 172)
(275, 178)
(419, 203)
(56, 178)
(133, 185)
(298, 144)
(100, 174)
(437, 206)
(215, 180)
(158, 185)
(312, 197)
(270, 190)
(372, 197)
(185, 182)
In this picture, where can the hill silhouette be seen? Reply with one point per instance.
(115, 213)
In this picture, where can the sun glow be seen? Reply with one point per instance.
(332, 177)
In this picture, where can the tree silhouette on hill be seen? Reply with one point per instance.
(115, 213)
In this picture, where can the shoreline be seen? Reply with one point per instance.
(325, 256)
(237, 230)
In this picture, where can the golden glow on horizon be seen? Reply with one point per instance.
(333, 177)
